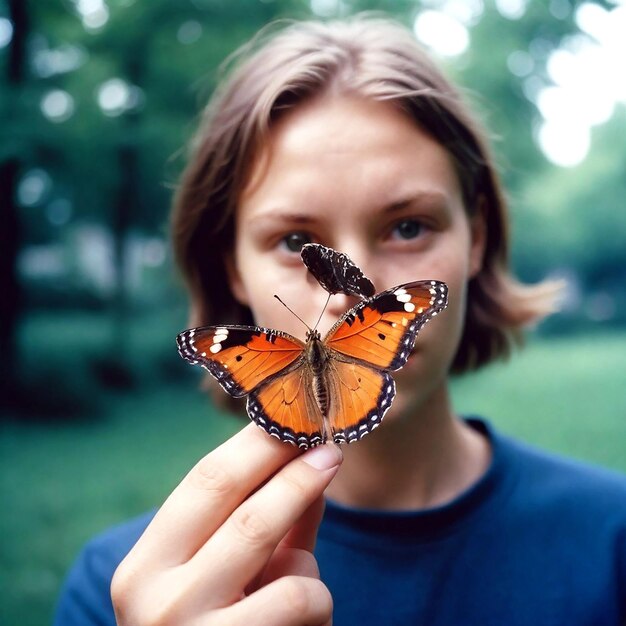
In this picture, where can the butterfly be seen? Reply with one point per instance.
(335, 271)
(338, 387)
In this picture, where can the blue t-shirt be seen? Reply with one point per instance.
(537, 540)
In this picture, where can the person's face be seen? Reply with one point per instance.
(361, 177)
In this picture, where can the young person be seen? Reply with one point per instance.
(347, 134)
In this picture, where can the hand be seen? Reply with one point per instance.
(233, 542)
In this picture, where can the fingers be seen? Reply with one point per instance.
(289, 562)
(304, 532)
(247, 524)
(288, 601)
(246, 541)
(294, 554)
(207, 496)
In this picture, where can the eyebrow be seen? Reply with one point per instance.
(429, 198)
(281, 215)
(290, 216)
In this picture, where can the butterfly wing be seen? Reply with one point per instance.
(240, 358)
(381, 331)
(285, 408)
(360, 397)
(335, 271)
(269, 367)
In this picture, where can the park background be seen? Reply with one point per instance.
(100, 417)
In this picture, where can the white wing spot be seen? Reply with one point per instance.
(403, 297)
(219, 338)
(409, 307)
(215, 348)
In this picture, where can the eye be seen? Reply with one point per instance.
(408, 229)
(294, 241)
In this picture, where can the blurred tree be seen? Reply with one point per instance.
(10, 231)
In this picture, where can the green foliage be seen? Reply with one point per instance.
(170, 54)
(578, 217)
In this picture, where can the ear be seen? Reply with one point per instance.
(235, 282)
(478, 234)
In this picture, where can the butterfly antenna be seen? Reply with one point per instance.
(293, 312)
(322, 313)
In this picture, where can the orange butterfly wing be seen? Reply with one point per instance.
(240, 357)
(285, 408)
(360, 397)
(381, 331)
(370, 340)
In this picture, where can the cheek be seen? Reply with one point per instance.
(455, 314)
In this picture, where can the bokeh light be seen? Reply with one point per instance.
(588, 81)
(34, 187)
(57, 105)
(6, 32)
(441, 32)
(115, 96)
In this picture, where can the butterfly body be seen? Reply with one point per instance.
(338, 387)
(317, 358)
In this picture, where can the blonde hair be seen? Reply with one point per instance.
(371, 58)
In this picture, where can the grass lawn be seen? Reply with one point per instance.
(62, 482)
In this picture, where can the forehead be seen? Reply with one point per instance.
(337, 148)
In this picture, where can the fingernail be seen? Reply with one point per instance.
(323, 457)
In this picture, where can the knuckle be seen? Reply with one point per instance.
(122, 585)
(210, 476)
(133, 603)
(296, 595)
(307, 597)
(251, 528)
(163, 614)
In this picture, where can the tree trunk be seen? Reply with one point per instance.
(10, 230)
(9, 285)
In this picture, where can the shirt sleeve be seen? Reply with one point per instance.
(85, 598)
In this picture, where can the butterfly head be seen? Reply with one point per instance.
(313, 334)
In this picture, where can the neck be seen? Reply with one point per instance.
(419, 460)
